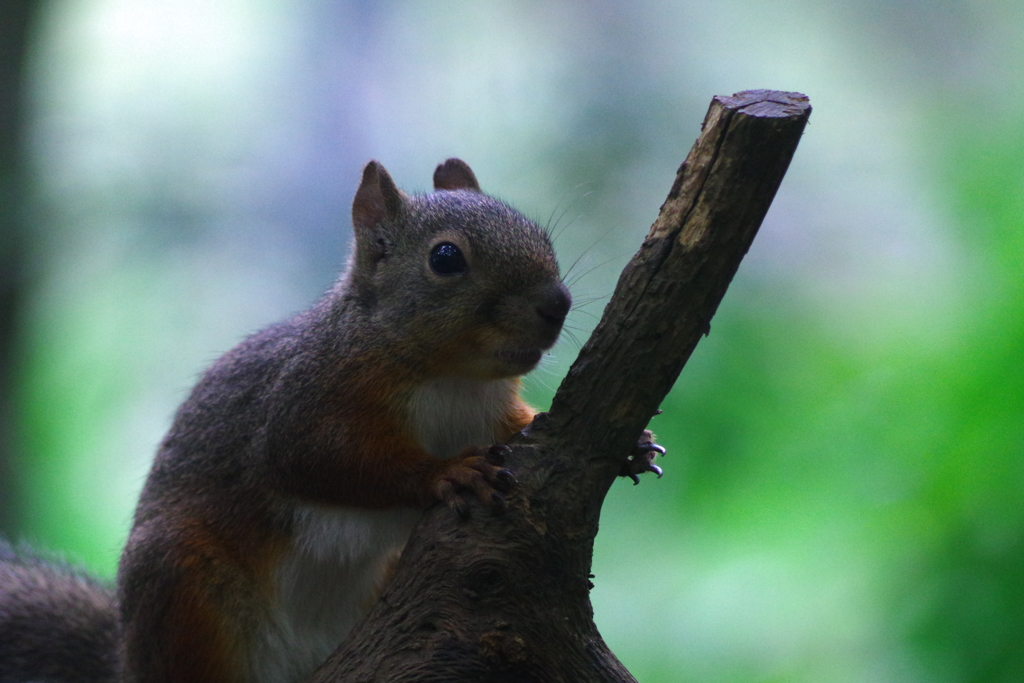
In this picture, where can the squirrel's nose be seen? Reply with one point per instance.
(554, 304)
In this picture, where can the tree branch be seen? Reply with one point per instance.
(507, 598)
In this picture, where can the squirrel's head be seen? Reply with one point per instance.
(454, 279)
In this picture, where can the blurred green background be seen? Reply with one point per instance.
(843, 491)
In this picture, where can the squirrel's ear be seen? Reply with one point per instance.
(377, 199)
(455, 174)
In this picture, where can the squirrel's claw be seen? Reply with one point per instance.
(496, 454)
(504, 481)
(642, 458)
(651, 447)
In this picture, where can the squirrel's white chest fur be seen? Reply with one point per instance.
(333, 570)
(451, 413)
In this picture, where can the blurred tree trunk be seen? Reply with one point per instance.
(506, 598)
(15, 22)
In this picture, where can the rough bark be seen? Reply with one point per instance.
(506, 598)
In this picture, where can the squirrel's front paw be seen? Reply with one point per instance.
(479, 469)
(642, 458)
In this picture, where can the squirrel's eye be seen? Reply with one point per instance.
(447, 259)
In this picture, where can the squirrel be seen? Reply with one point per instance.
(293, 474)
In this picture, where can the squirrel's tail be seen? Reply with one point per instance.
(56, 623)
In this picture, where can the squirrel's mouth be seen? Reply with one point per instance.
(520, 358)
